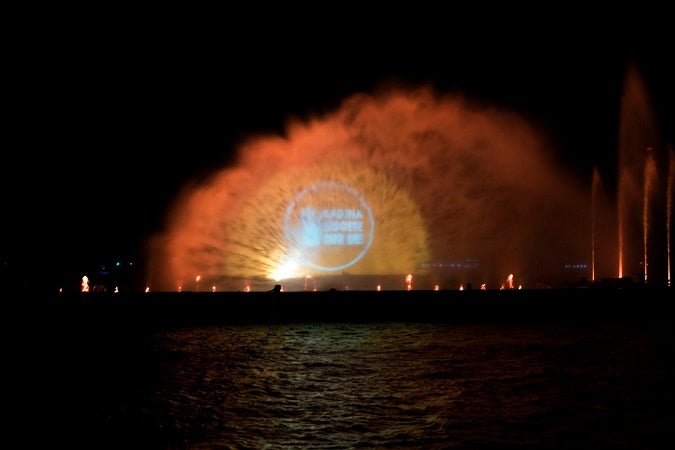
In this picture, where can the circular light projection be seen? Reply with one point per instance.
(330, 225)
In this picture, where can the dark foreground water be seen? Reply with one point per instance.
(91, 383)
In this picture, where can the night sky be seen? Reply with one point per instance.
(108, 114)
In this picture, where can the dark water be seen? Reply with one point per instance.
(341, 385)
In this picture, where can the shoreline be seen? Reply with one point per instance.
(163, 309)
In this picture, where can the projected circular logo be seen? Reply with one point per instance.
(329, 226)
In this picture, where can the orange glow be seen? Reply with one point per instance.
(230, 226)
(308, 278)
(408, 280)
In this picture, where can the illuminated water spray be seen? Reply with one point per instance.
(649, 185)
(637, 131)
(398, 182)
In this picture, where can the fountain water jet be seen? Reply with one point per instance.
(638, 181)
(459, 194)
(603, 225)
(649, 185)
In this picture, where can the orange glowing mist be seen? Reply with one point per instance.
(446, 180)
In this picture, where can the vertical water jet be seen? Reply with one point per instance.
(649, 183)
(637, 131)
(595, 186)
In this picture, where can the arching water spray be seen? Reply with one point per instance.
(458, 194)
